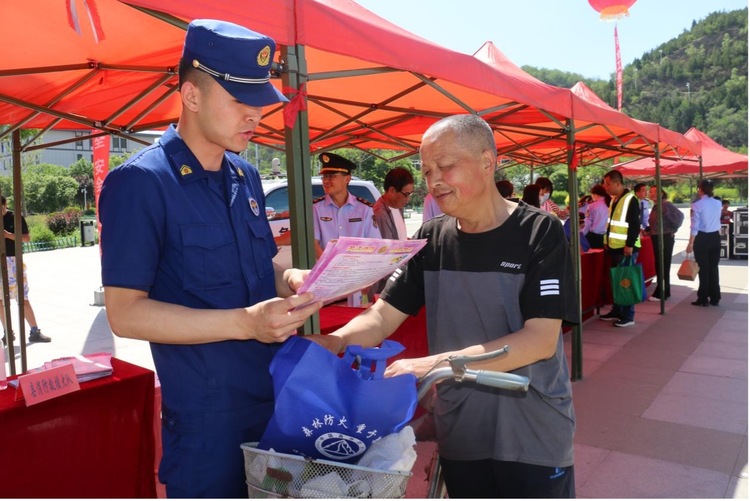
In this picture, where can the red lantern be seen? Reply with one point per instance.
(612, 9)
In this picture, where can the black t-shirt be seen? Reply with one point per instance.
(479, 287)
(9, 225)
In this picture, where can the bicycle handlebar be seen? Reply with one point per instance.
(461, 373)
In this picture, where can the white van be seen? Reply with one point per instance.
(277, 205)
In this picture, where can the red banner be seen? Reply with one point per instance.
(100, 147)
(618, 66)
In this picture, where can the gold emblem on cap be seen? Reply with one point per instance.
(326, 159)
(196, 63)
(185, 170)
(264, 56)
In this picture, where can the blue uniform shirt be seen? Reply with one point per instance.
(705, 215)
(354, 219)
(645, 210)
(171, 229)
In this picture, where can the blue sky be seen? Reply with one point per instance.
(558, 34)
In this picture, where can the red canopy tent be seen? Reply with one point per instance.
(589, 107)
(717, 161)
(359, 80)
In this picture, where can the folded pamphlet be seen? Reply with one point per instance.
(350, 264)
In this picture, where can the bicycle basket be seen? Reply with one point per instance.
(274, 475)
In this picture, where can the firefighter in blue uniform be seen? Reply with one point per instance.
(187, 263)
(339, 213)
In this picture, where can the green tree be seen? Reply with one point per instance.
(46, 191)
(83, 173)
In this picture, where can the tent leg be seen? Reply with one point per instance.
(575, 251)
(299, 172)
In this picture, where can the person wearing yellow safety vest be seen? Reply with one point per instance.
(622, 238)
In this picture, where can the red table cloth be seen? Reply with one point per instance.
(412, 333)
(97, 442)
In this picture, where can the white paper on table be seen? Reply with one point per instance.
(349, 264)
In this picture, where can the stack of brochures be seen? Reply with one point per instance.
(87, 367)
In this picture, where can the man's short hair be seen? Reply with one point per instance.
(471, 128)
(185, 72)
(707, 186)
(639, 186)
(614, 176)
(397, 177)
(505, 188)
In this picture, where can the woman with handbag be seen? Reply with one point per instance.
(705, 222)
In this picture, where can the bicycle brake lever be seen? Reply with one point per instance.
(458, 362)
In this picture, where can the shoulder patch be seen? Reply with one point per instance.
(319, 199)
(364, 201)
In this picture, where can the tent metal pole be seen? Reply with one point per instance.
(575, 251)
(660, 276)
(298, 170)
(16, 156)
(18, 242)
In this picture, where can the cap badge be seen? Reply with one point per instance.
(326, 158)
(254, 206)
(185, 170)
(264, 56)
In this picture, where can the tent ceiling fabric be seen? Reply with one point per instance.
(371, 84)
(48, 65)
(718, 161)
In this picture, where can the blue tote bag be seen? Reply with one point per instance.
(326, 409)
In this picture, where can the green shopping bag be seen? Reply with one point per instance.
(627, 282)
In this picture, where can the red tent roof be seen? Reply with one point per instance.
(371, 83)
(589, 107)
(717, 161)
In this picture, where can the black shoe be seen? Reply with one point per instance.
(5, 338)
(610, 317)
(699, 303)
(36, 336)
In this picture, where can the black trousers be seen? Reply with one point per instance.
(492, 479)
(595, 240)
(664, 264)
(707, 248)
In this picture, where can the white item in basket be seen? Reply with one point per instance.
(392, 452)
(327, 486)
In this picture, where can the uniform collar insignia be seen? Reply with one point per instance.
(185, 170)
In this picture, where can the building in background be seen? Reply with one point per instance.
(70, 152)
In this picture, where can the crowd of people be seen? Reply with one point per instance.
(187, 265)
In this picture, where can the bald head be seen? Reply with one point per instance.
(470, 130)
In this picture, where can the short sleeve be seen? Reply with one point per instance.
(404, 289)
(548, 290)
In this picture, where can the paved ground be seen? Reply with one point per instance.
(662, 409)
